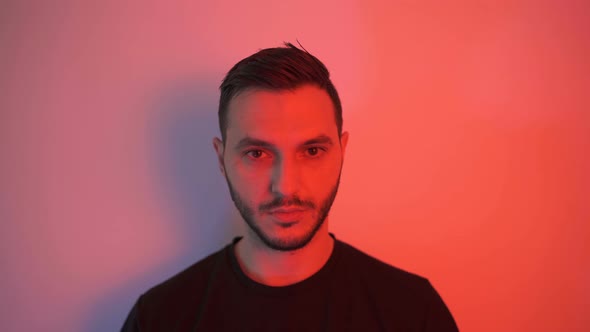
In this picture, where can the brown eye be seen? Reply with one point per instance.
(256, 154)
(315, 152)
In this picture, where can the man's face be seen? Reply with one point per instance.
(282, 160)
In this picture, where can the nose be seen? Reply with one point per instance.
(285, 178)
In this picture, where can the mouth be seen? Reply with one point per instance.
(287, 214)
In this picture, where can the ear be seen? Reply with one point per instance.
(343, 142)
(218, 146)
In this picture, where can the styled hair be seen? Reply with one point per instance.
(279, 68)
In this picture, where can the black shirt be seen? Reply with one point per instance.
(351, 292)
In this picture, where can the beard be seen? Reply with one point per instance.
(281, 244)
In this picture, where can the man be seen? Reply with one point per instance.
(281, 152)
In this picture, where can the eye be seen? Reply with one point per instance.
(255, 154)
(314, 151)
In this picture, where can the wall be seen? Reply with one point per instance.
(467, 163)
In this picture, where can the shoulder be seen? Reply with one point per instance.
(383, 279)
(404, 297)
(371, 267)
(183, 287)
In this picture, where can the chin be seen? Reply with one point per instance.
(288, 239)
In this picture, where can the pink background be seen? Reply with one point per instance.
(468, 160)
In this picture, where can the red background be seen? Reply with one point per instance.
(467, 163)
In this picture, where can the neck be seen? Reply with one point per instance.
(281, 268)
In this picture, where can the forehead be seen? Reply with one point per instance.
(281, 116)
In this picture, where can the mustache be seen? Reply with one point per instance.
(280, 202)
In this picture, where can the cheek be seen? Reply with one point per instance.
(249, 182)
(323, 177)
(329, 167)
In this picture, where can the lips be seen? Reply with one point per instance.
(287, 215)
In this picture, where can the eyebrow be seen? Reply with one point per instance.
(251, 141)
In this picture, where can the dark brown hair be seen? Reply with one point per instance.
(280, 68)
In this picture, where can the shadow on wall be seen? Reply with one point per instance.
(186, 175)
